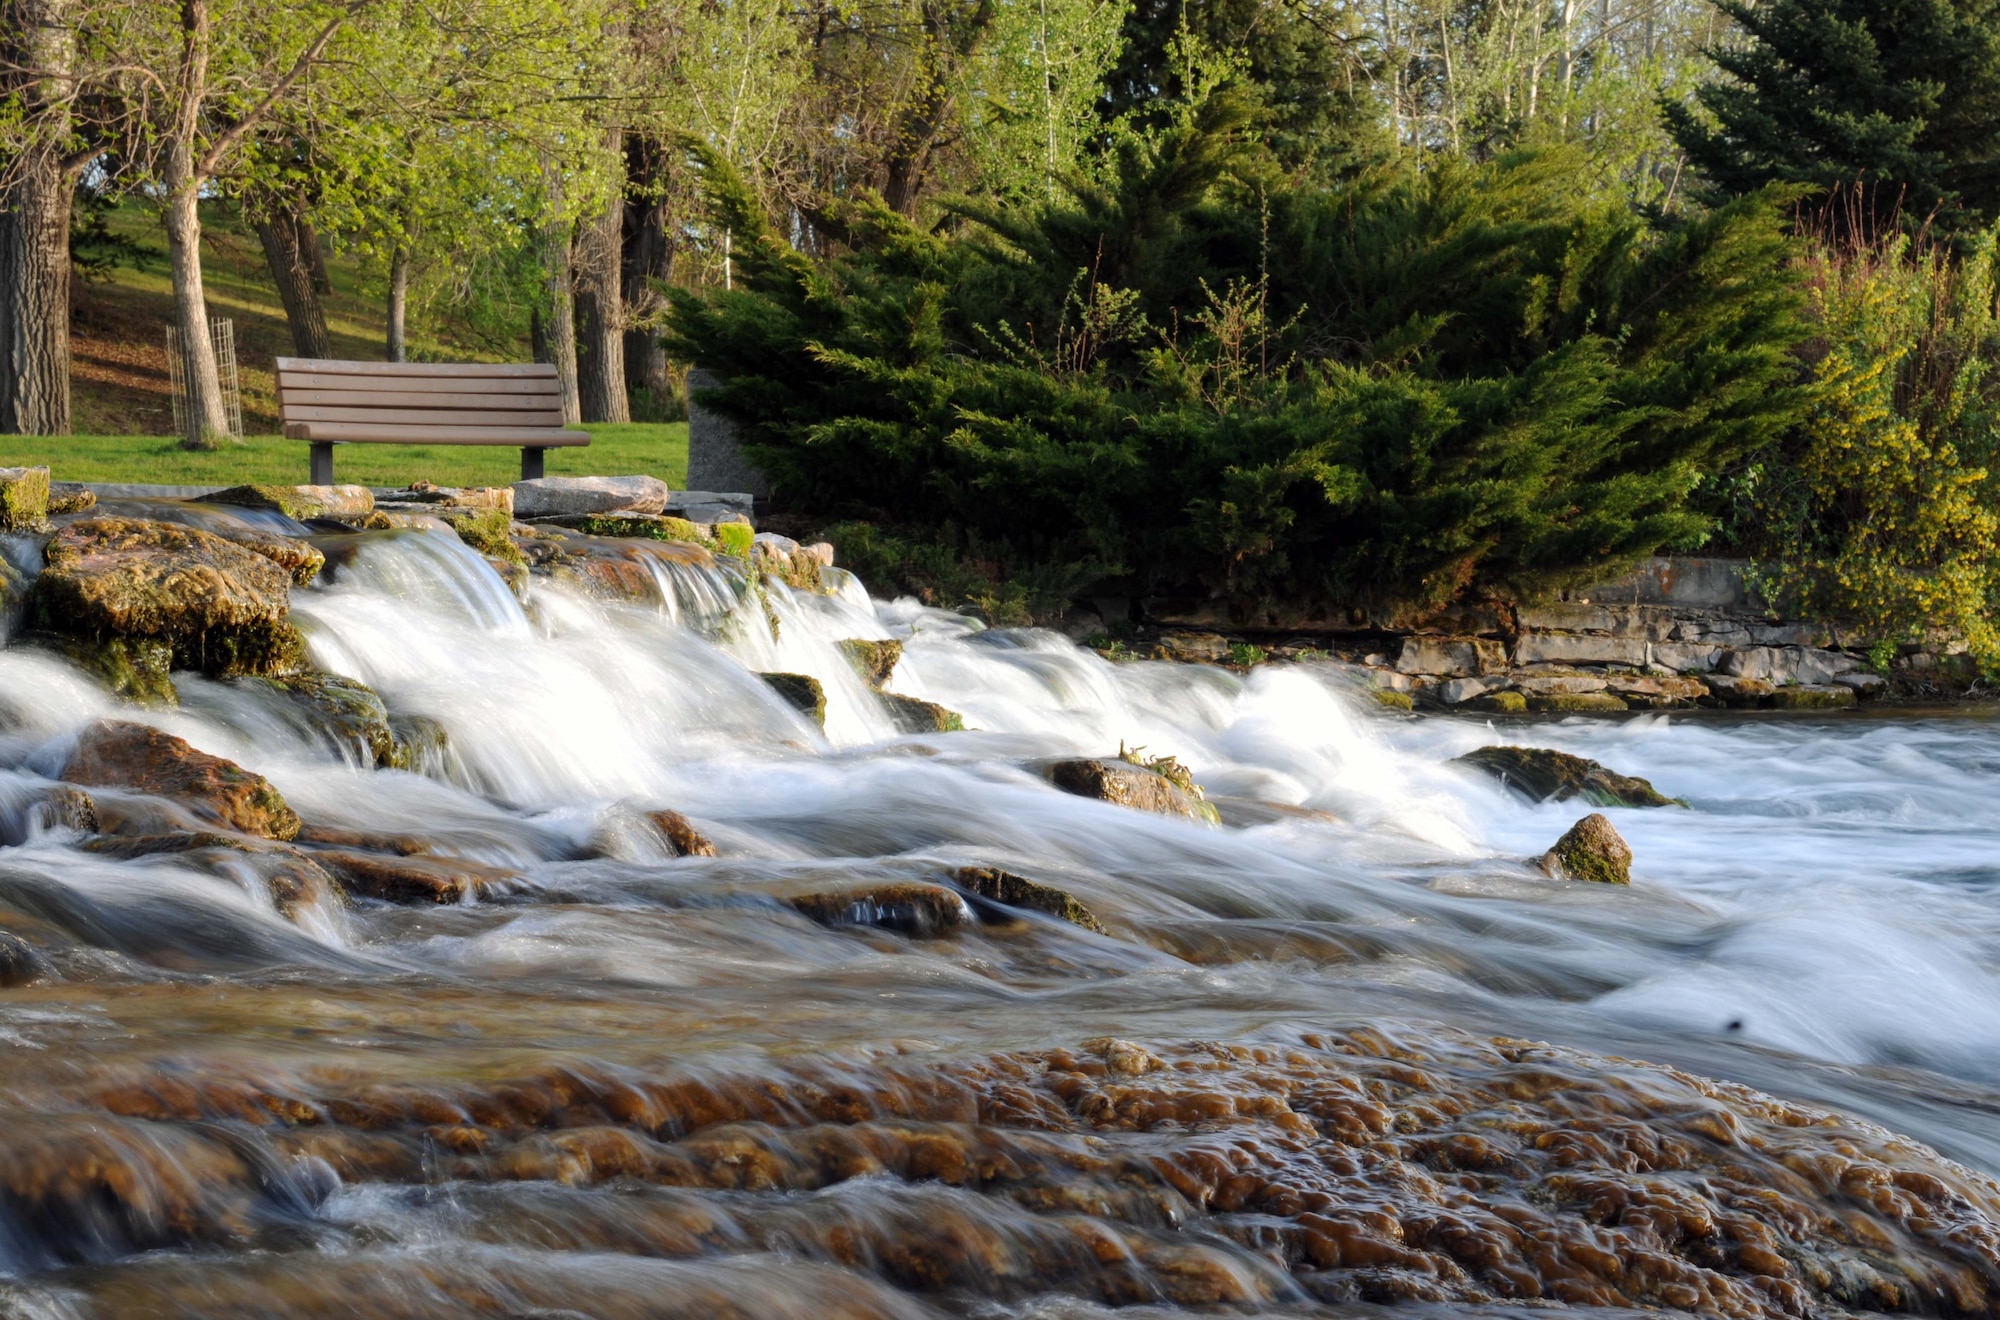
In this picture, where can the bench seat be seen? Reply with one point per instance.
(327, 402)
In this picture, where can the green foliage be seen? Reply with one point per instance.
(1401, 386)
(1900, 95)
(1883, 506)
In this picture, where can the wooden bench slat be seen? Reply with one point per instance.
(354, 433)
(290, 382)
(429, 418)
(420, 404)
(334, 367)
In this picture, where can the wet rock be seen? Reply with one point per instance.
(802, 692)
(293, 879)
(333, 836)
(489, 531)
(1817, 696)
(680, 834)
(221, 607)
(301, 503)
(1127, 785)
(1450, 657)
(906, 907)
(1543, 775)
(1592, 851)
(417, 879)
(65, 807)
(1010, 890)
(1558, 682)
(1391, 699)
(547, 497)
(1578, 702)
(347, 712)
(786, 560)
(135, 668)
(911, 715)
(873, 659)
(115, 754)
(67, 497)
(20, 962)
(24, 499)
(418, 744)
(300, 559)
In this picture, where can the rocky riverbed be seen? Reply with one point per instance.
(538, 901)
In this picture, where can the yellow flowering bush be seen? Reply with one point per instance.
(1885, 509)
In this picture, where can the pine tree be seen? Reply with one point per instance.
(1898, 97)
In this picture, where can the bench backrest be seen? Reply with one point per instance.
(419, 394)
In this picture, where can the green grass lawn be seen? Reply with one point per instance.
(658, 450)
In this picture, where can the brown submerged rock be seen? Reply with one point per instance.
(911, 715)
(906, 907)
(680, 834)
(873, 659)
(221, 608)
(115, 754)
(295, 881)
(1593, 851)
(417, 879)
(1010, 890)
(1544, 775)
(1127, 785)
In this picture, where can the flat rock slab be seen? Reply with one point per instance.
(1127, 785)
(300, 503)
(134, 577)
(548, 497)
(138, 757)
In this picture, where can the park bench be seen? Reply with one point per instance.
(422, 403)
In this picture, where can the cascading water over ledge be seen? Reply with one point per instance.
(597, 979)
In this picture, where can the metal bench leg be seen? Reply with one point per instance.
(531, 463)
(322, 463)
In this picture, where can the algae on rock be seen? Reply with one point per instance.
(802, 692)
(873, 659)
(1592, 851)
(911, 715)
(24, 499)
(1543, 774)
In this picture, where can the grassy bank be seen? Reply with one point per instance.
(654, 450)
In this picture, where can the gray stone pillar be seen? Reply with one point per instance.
(715, 461)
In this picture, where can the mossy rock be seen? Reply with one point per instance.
(24, 499)
(1507, 702)
(802, 692)
(489, 531)
(1127, 785)
(911, 715)
(264, 649)
(1829, 697)
(67, 497)
(135, 668)
(346, 504)
(875, 660)
(1542, 774)
(906, 907)
(419, 744)
(1390, 699)
(347, 712)
(118, 754)
(1577, 702)
(642, 526)
(301, 560)
(1010, 890)
(735, 538)
(1592, 851)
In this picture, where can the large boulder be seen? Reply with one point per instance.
(302, 503)
(117, 754)
(1544, 775)
(24, 499)
(220, 607)
(547, 497)
(1592, 851)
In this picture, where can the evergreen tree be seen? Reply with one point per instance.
(1899, 97)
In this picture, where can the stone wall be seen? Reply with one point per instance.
(716, 462)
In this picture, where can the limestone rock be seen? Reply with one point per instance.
(1657, 691)
(1192, 648)
(135, 668)
(908, 908)
(457, 497)
(116, 754)
(1450, 657)
(302, 560)
(680, 834)
(302, 503)
(66, 497)
(1458, 691)
(1864, 683)
(1542, 774)
(24, 499)
(1391, 699)
(802, 692)
(1548, 684)
(546, 497)
(1600, 703)
(1127, 785)
(1593, 851)
(1728, 690)
(296, 882)
(1507, 702)
(873, 659)
(1010, 890)
(1789, 664)
(221, 607)
(911, 715)
(489, 531)
(347, 712)
(1686, 657)
(1555, 648)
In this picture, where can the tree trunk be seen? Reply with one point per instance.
(34, 322)
(315, 257)
(286, 237)
(649, 263)
(946, 45)
(207, 422)
(558, 320)
(600, 316)
(34, 227)
(398, 349)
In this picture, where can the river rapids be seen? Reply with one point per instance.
(1347, 1051)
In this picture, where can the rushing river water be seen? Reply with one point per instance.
(640, 1085)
